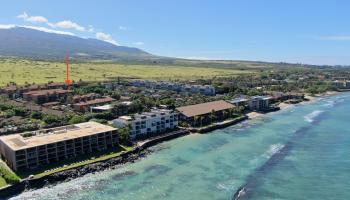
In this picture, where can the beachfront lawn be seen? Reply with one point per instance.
(7, 176)
(2, 182)
(75, 162)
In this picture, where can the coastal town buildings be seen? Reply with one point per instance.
(86, 106)
(205, 113)
(178, 87)
(344, 84)
(259, 103)
(44, 96)
(240, 101)
(147, 124)
(15, 91)
(33, 149)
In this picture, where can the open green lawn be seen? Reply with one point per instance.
(76, 162)
(7, 176)
(2, 182)
(21, 71)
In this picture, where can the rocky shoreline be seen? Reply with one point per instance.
(69, 174)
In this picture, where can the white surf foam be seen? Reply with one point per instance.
(273, 149)
(329, 104)
(311, 116)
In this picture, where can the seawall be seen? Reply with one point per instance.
(79, 171)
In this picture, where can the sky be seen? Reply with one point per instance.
(297, 31)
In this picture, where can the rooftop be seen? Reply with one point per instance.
(47, 92)
(261, 97)
(95, 101)
(105, 107)
(204, 108)
(238, 100)
(53, 135)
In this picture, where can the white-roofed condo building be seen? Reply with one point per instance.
(36, 148)
(148, 124)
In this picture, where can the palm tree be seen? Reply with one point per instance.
(212, 115)
(201, 119)
(195, 120)
(225, 113)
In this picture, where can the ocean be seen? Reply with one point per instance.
(302, 152)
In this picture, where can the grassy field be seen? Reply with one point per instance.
(22, 71)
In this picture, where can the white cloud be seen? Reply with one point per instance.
(67, 24)
(138, 43)
(106, 37)
(196, 58)
(335, 38)
(33, 19)
(122, 28)
(91, 29)
(7, 26)
(39, 28)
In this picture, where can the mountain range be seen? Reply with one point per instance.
(29, 43)
(35, 44)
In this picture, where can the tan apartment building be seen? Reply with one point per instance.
(33, 149)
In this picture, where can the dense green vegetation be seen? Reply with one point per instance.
(7, 176)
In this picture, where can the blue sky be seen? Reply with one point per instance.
(299, 31)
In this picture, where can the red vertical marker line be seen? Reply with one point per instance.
(67, 71)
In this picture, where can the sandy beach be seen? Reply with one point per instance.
(253, 115)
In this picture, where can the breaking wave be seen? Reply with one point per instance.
(311, 116)
(273, 149)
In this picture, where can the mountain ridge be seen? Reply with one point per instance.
(30, 43)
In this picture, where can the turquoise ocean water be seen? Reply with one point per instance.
(302, 152)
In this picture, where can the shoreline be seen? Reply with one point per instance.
(139, 151)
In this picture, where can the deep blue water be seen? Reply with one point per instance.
(302, 152)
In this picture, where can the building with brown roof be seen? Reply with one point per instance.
(85, 106)
(44, 96)
(205, 112)
(15, 91)
(32, 149)
(85, 97)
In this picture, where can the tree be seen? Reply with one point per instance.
(50, 119)
(225, 114)
(195, 120)
(201, 119)
(36, 115)
(76, 119)
(212, 116)
(124, 135)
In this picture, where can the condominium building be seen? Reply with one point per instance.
(178, 87)
(259, 103)
(148, 123)
(240, 101)
(15, 91)
(342, 84)
(33, 149)
(44, 96)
